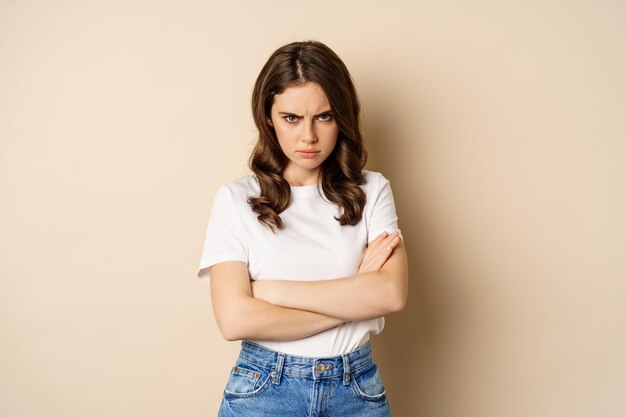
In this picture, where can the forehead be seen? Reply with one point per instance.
(302, 98)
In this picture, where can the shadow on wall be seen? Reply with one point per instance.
(410, 349)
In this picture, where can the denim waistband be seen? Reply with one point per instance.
(306, 367)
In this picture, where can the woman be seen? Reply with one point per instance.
(304, 256)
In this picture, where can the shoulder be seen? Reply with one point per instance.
(238, 190)
(374, 181)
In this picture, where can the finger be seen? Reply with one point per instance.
(377, 257)
(387, 236)
(389, 243)
(393, 240)
(378, 251)
(369, 248)
(379, 261)
(378, 239)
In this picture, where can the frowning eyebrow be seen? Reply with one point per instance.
(285, 113)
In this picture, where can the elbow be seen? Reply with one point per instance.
(396, 299)
(229, 316)
(228, 331)
(230, 336)
(396, 277)
(229, 326)
(398, 304)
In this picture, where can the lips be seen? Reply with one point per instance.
(308, 153)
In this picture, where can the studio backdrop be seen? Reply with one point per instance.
(500, 125)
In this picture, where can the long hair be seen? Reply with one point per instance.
(341, 173)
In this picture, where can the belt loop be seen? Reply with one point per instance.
(346, 369)
(278, 373)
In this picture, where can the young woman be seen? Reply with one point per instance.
(304, 256)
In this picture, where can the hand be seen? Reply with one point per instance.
(378, 252)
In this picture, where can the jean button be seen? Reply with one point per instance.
(320, 368)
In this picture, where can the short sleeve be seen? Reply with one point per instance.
(383, 216)
(223, 239)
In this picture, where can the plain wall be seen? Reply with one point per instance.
(500, 124)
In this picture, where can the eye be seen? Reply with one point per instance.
(291, 118)
(325, 117)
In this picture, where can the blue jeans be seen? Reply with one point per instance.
(265, 382)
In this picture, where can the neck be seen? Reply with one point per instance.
(302, 178)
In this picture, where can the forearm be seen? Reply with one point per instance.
(240, 316)
(358, 297)
(255, 319)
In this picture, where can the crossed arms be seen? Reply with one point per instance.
(290, 310)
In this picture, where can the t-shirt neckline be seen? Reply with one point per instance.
(305, 190)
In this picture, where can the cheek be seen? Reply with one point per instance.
(283, 135)
(334, 143)
(332, 134)
(286, 140)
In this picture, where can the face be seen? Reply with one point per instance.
(306, 130)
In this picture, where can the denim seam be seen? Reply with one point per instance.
(248, 394)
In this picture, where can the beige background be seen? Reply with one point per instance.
(501, 125)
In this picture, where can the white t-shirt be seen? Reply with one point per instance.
(311, 246)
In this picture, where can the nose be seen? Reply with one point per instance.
(309, 135)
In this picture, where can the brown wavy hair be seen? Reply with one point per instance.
(341, 173)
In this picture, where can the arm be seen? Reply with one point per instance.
(240, 316)
(373, 292)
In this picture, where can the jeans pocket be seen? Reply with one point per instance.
(246, 380)
(368, 385)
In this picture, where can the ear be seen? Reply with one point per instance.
(269, 122)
